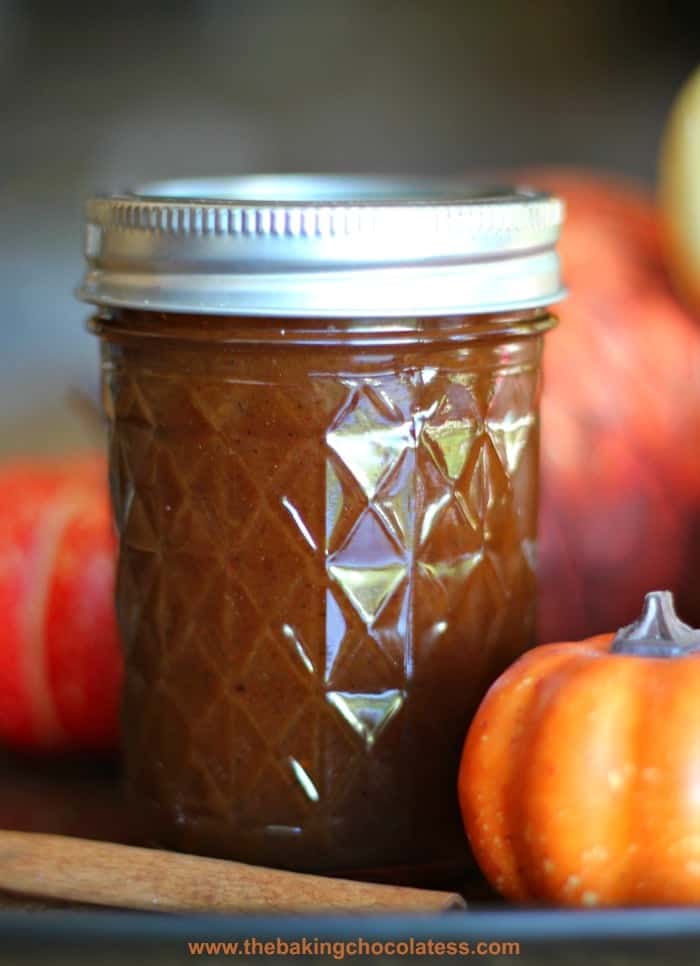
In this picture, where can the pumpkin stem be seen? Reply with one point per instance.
(659, 632)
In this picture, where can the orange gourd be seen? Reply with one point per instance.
(580, 778)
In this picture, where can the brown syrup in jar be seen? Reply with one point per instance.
(327, 536)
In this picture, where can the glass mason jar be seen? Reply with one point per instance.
(322, 399)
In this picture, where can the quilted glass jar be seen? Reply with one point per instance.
(327, 528)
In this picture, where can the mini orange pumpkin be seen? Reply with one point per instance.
(580, 777)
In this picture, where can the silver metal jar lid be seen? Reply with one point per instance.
(326, 246)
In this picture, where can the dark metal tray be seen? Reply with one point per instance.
(617, 937)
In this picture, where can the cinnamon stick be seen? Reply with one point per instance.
(124, 876)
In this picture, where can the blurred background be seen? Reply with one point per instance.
(97, 96)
